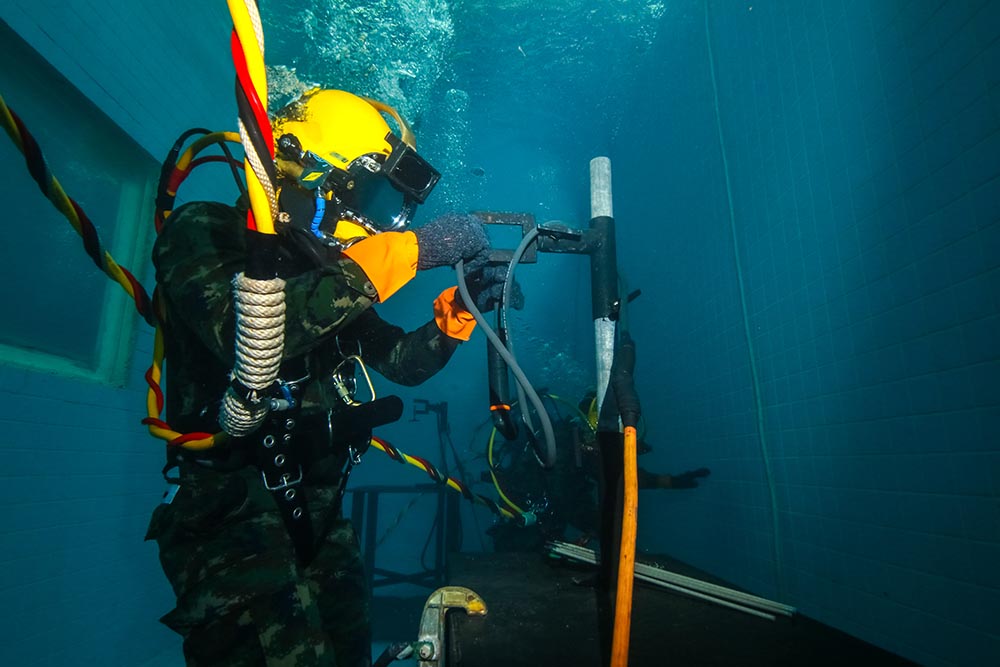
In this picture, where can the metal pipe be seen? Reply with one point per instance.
(652, 572)
(713, 589)
(600, 188)
(605, 305)
(603, 271)
(587, 556)
(702, 596)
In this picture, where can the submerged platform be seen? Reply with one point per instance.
(539, 615)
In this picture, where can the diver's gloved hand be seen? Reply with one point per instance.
(685, 480)
(450, 238)
(485, 285)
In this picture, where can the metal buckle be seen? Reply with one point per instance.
(284, 483)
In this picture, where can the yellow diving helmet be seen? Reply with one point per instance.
(339, 146)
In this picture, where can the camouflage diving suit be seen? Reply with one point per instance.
(243, 598)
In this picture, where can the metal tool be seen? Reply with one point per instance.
(430, 646)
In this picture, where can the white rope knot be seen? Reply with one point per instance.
(260, 338)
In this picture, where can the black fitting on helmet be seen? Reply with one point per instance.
(289, 147)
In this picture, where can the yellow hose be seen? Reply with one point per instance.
(489, 451)
(496, 483)
(448, 481)
(247, 26)
(152, 408)
(53, 190)
(246, 31)
(203, 142)
(626, 557)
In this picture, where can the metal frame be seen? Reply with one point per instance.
(364, 516)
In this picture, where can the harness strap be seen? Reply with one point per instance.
(281, 473)
(281, 465)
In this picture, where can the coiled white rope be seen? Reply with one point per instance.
(260, 336)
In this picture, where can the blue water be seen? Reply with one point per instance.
(805, 192)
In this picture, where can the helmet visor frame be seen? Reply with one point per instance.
(368, 197)
(408, 171)
(380, 191)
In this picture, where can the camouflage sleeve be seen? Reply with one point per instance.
(406, 358)
(202, 247)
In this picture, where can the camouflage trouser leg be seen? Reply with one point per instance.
(241, 598)
(338, 586)
(258, 638)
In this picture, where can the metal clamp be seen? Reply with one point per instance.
(430, 645)
(284, 483)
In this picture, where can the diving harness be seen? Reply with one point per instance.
(290, 440)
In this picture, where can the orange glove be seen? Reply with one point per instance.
(388, 259)
(451, 317)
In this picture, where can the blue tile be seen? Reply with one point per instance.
(980, 338)
(982, 161)
(986, 203)
(982, 380)
(980, 517)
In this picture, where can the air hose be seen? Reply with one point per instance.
(174, 172)
(626, 556)
(508, 286)
(496, 483)
(39, 169)
(623, 386)
(522, 380)
(259, 294)
(493, 467)
(177, 167)
(441, 478)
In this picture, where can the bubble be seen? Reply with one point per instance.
(392, 50)
(284, 85)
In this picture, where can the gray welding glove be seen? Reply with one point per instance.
(450, 238)
(485, 285)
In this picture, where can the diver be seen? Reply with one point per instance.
(563, 501)
(265, 569)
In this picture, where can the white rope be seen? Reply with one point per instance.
(260, 304)
(260, 337)
(258, 29)
(258, 168)
(237, 419)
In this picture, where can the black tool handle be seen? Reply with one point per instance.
(499, 381)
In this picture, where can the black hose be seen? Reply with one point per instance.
(623, 381)
(232, 162)
(255, 134)
(170, 162)
(396, 651)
